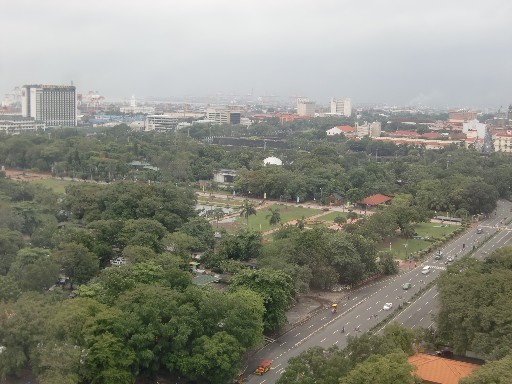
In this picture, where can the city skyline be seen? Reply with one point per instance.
(428, 53)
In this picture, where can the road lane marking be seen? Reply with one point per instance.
(298, 334)
(282, 344)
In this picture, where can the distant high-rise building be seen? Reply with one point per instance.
(305, 107)
(54, 105)
(509, 115)
(341, 107)
(230, 115)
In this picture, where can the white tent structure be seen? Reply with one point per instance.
(272, 161)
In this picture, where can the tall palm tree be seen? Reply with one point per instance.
(246, 210)
(274, 216)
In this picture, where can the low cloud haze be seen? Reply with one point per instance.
(401, 52)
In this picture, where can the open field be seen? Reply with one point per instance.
(332, 215)
(58, 186)
(400, 246)
(259, 222)
(434, 229)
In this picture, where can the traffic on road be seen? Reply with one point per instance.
(368, 305)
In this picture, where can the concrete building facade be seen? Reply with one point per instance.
(461, 115)
(161, 123)
(305, 107)
(503, 141)
(14, 125)
(230, 115)
(475, 126)
(369, 129)
(342, 107)
(55, 105)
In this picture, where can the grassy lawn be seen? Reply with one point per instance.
(434, 229)
(332, 215)
(259, 222)
(56, 185)
(398, 245)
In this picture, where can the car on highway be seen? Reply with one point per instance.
(439, 255)
(406, 286)
(425, 270)
(479, 230)
(449, 259)
(387, 306)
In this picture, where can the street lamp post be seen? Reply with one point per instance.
(321, 196)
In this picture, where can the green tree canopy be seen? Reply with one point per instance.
(274, 287)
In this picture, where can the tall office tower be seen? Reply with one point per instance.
(341, 107)
(305, 107)
(54, 105)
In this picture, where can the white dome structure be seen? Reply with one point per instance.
(272, 161)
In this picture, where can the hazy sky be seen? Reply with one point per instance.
(395, 51)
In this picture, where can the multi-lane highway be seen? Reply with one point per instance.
(364, 309)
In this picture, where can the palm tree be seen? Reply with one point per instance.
(301, 223)
(246, 210)
(274, 216)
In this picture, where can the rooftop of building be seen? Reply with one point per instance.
(440, 370)
(376, 199)
(48, 86)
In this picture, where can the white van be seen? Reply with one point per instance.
(425, 270)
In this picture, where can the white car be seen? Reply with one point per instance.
(425, 270)
(449, 259)
(387, 306)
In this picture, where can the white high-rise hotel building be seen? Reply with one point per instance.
(341, 107)
(54, 105)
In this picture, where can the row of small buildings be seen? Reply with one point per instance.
(471, 134)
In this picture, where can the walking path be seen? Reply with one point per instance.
(260, 205)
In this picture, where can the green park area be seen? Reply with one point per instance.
(260, 221)
(332, 215)
(57, 185)
(426, 235)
